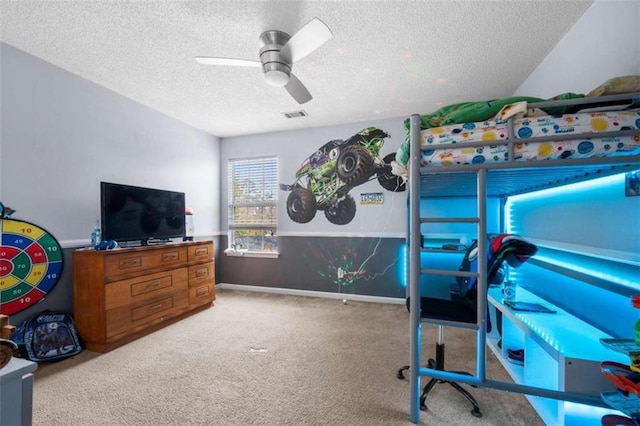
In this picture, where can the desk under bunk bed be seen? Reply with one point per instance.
(439, 167)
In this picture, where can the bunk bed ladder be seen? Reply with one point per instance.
(415, 270)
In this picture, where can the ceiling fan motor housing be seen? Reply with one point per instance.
(276, 69)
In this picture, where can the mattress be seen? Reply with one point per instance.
(584, 125)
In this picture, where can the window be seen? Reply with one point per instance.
(253, 204)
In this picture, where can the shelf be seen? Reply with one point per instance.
(515, 371)
(562, 353)
(561, 332)
(624, 346)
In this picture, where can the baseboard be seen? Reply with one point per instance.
(309, 293)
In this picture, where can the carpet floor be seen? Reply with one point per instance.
(269, 359)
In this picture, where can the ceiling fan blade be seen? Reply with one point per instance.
(227, 62)
(297, 90)
(306, 40)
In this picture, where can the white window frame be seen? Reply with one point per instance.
(253, 206)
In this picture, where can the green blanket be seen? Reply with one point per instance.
(470, 112)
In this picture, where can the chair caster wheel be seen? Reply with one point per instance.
(476, 413)
(399, 375)
(423, 407)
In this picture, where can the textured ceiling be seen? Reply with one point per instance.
(386, 59)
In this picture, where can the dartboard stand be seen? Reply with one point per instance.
(30, 264)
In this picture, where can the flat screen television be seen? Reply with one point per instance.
(133, 213)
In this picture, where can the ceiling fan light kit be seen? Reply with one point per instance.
(276, 68)
(276, 77)
(278, 52)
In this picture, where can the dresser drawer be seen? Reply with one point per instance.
(122, 294)
(200, 252)
(128, 318)
(157, 306)
(201, 273)
(202, 293)
(131, 262)
(146, 287)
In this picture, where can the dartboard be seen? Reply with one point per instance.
(30, 264)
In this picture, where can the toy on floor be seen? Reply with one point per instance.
(7, 347)
(626, 378)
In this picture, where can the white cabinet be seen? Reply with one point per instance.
(562, 353)
(16, 392)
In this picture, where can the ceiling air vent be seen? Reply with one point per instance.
(295, 114)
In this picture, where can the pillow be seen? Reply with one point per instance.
(617, 85)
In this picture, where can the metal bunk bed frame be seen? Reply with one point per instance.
(571, 170)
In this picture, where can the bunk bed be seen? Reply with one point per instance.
(517, 155)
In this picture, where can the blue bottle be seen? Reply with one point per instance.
(96, 235)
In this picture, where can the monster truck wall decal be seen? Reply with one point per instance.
(324, 180)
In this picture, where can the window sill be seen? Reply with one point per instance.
(247, 253)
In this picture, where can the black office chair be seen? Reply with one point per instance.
(462, 307)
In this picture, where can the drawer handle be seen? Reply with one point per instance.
(200, 251)
(202, 291)
(155, 308)
(130, 262)
(153, 284)
(202, 273)
(170, 256)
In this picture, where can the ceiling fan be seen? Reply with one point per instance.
(278, 52)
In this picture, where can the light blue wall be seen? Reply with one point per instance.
(590, 234)
(604, 43)
(61, 135)
(593, 216)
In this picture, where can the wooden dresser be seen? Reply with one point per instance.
(122, 294)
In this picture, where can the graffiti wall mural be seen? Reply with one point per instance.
(341, 265)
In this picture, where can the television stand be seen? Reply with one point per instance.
(121, 295)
